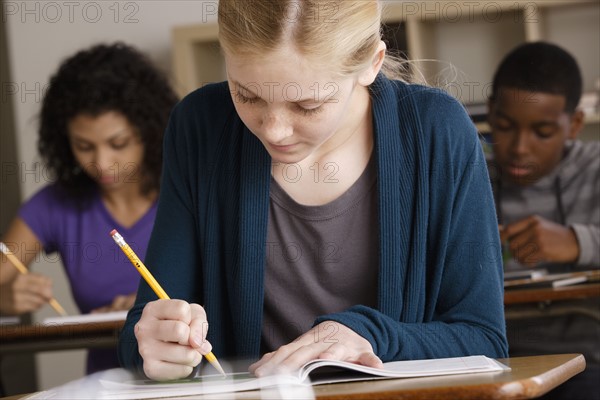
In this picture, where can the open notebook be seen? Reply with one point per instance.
(312, 373)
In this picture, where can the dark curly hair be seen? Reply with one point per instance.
(541, 67)
(103, 78)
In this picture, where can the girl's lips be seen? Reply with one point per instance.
(107, 179)
(284, 148)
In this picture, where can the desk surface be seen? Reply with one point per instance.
(519, 296)
(37, 337)
(530, 377)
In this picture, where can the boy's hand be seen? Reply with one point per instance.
(534, 239)
(171, 338)
(26, 293)
(329, 339)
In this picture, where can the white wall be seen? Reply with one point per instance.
(40, 35)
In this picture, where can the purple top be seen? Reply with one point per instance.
(97, 268)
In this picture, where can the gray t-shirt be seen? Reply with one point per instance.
(320, 259)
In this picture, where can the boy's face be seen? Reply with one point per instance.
(529, 131)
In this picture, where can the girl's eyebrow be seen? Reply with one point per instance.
(307, 100)
(112, 137)
(237, 84)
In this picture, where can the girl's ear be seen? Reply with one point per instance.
(367, 76)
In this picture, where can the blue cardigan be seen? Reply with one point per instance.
(440, 270)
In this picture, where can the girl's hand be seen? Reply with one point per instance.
(120, 303)
(25, 293)
(171, 336)
(329, 339)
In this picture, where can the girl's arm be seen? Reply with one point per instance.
(22, 293)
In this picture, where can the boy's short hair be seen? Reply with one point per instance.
(541, 67)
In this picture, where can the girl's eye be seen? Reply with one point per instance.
(82, 147)
(119, 145)
(243, 99)
(310, 111)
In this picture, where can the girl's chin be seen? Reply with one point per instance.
(286, 158)
(112, 185)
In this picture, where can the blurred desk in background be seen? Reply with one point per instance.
(39, 337)
(536, 295)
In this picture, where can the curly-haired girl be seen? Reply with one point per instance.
(100, 137)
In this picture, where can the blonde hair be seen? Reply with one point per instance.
(341, 36)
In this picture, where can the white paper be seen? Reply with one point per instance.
(86, 318)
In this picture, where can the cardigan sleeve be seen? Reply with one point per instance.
(172, 245)
(467, 294)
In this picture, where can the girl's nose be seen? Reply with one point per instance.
(276, 128)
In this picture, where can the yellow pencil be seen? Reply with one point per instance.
(160, 292)
(22, 269)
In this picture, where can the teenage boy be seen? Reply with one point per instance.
(546, 186)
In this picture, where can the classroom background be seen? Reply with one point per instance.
(466, 40)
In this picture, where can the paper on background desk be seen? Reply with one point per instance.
(9, 320)
(86, 318)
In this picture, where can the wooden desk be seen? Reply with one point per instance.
(530, 377)
(520, 296)
(37, 337)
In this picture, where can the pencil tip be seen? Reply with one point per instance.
(219, 368)
(210, 357)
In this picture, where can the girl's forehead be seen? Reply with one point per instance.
(278, 67)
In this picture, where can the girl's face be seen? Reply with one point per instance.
(295, 110)
(108, 148)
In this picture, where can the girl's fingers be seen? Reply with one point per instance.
(177, 354)
(161, 370)
(290, 358)
(370, 360)
(169, 310)
(337, 352)
(265, 358)
(163, 337)
(165, 330)
(199, 330)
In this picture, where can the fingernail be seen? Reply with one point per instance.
(197, 341)
(202, 345)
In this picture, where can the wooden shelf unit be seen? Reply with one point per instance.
(464, 41)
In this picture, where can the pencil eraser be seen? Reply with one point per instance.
(112, 233)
